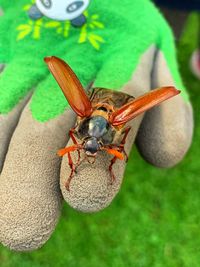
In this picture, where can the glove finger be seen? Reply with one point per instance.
(15, 79)
(166, 131)
(90, 188)
(30, 198)
(7, 125)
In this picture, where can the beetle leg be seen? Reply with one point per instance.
(121, 146)
(126, 131)
(121, 149)
(80, 161)
(68, 149)
(113, 178)
(71, 164)
(71, 134)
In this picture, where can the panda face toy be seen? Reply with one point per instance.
(62, 9)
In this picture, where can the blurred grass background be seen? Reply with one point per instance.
(153, 222)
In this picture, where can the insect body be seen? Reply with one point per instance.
(102, 116)
(96, 129)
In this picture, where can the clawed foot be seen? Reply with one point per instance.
(113, 178)
(73, 170)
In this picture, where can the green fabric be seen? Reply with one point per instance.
(5, 4)
(107, 49)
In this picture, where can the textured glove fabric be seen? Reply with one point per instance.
(123, 46)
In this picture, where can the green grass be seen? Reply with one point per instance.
(153, 222)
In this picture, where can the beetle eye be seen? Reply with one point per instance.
(46, 3)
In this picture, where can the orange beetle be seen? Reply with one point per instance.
(102, 115)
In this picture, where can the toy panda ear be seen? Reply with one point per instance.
(70, 85)
(34, 13)
(141, 104)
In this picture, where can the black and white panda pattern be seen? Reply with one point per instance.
(71, 10)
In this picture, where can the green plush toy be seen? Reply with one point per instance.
(122, 46)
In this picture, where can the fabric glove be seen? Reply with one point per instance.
(127, 47)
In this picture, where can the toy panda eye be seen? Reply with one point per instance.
(74, 6)
(46, 3)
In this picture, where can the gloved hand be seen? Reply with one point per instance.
(127, 47)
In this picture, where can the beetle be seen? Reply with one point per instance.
(101, 115)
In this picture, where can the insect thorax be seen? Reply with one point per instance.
(112, 97)
(98, 127)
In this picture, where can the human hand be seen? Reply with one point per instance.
(125, 51)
